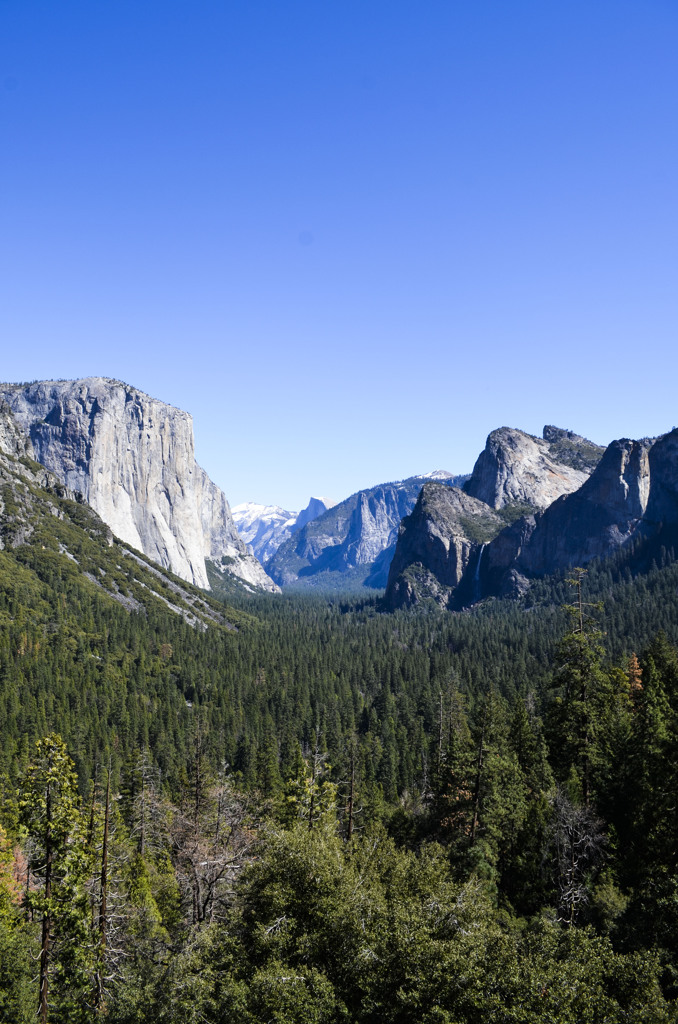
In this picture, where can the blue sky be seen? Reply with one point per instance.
(350, 238)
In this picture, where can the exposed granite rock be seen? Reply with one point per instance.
(499, 575)
(37, 511)
(222, 543)
(19, 475)
(444, 536)
(263, 527)
(357, 534)
(602, 516)
(518, 469)
(266, 527)
(632, 492)
(570, 449)
(131, 457)
(14, 443)
(315, 508)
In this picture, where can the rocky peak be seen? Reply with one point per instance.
(266, 527)
(442, 540)
(517, 468)
(355, 537)
(554, 434)
(570, 449)
(621, 481)
(315, 508)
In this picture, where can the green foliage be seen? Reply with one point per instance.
(480, 529)
(17, 988)
(60, 862)
(579, 454)
(513, 511)
(496, 770)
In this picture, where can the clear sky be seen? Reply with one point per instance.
(350, 238)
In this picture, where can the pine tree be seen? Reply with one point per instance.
(49, 809)
(579, 713)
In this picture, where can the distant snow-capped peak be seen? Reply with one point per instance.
(265, 527)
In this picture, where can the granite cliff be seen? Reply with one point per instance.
(445, 534)
(519, 469)
(353, 542)
(628, 502)
(604, 514)
(131, 458)
(455, 554)
(20, 474)
(52, 540)
(632, 495)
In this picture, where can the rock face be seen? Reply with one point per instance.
(518, 469)
(456, 554)
(263, 527)
(602, 516)
(131, 457)
(14, 444)
(444, 536)
(662, 500)
(18, 469)
(266, 527)
(37, 512)
(355, 539)
(632, 494)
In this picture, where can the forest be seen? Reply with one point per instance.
(314, 811)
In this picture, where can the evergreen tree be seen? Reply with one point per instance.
(49, 810)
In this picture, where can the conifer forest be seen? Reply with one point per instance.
(311, 810)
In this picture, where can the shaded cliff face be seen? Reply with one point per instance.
(355, 538)
(19, 475)
(631, 492)
(602, 516)
(662, 502)
(438, 543)
(518, 469)
(131, 457)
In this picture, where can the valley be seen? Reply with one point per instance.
(451, 799)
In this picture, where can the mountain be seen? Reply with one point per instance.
(441, 550)
(265, 527)
(131, 458)
(436, 545)
(632, 496)
(52, 543)
(353, 542)
(519, 469)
